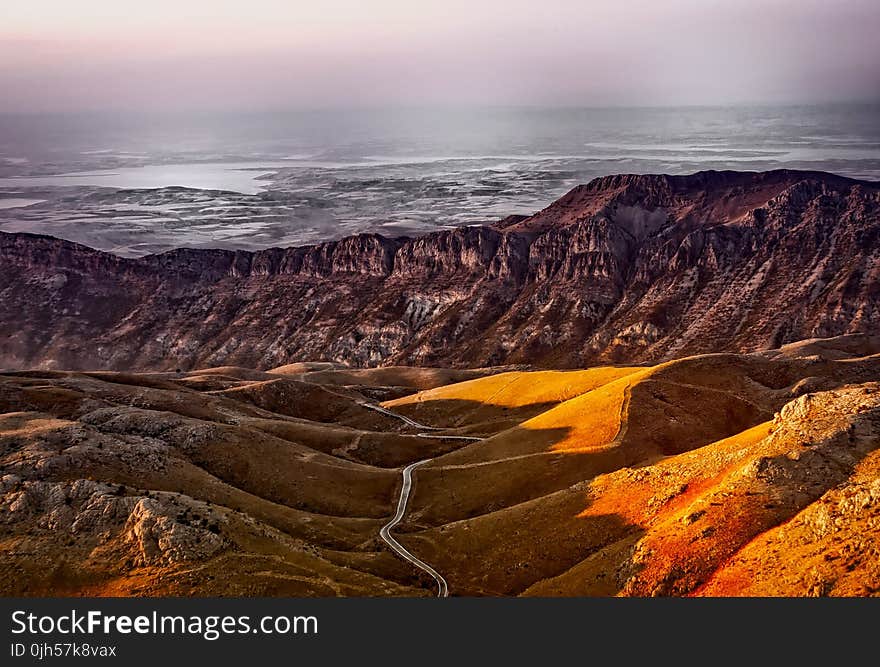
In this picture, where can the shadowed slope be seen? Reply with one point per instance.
(195, 491)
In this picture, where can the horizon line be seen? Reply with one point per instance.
(441, 107)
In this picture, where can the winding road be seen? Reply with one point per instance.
(411, 422)
(399, 549)
(403, 500)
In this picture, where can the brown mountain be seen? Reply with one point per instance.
(626, 268)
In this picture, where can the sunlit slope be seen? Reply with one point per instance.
(643, 416)
(503, 397)
(830, 547)
(543, 537)
(703, 521)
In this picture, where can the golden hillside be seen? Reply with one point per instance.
(717, 474)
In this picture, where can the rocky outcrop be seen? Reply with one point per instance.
(160, 530)
(626, 268)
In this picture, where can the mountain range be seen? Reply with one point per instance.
(624, 269)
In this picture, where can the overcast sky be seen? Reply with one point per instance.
(254, 54)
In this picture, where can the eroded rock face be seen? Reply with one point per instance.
(145, 531)
(623, 269)
(815, 445)
(160, 538)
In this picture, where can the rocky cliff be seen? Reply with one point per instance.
(623, 269)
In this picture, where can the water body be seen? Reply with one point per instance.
(235, 177)
(15, 202)
(302, 177)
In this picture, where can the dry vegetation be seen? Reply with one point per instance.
(716, 474)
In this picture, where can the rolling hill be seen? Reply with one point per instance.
(715, 474)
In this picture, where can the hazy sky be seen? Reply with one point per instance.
(252, 54)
